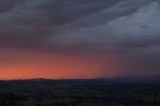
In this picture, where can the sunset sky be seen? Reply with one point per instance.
(79, 39)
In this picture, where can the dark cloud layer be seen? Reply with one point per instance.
(128, 28)
(28, 22)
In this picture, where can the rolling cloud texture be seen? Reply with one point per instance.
(127, 29)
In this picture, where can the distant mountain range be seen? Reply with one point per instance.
(145, 79)
(155, 77)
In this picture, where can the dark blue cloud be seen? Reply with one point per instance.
(127, 28)
(82, 22)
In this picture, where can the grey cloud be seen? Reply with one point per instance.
(7, 5)
(139, 29)
(95, 24)
(128, 29)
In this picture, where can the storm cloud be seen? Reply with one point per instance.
(127, 28)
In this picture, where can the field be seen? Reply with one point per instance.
(77, 93)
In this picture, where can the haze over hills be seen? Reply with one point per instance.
(150, 78)
(42, 86)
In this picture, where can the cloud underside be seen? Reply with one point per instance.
(129, 28)
(89, 24)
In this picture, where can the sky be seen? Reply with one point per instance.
(79, 39)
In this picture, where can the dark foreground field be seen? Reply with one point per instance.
(41, 92)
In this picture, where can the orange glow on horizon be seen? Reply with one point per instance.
(53, 66)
